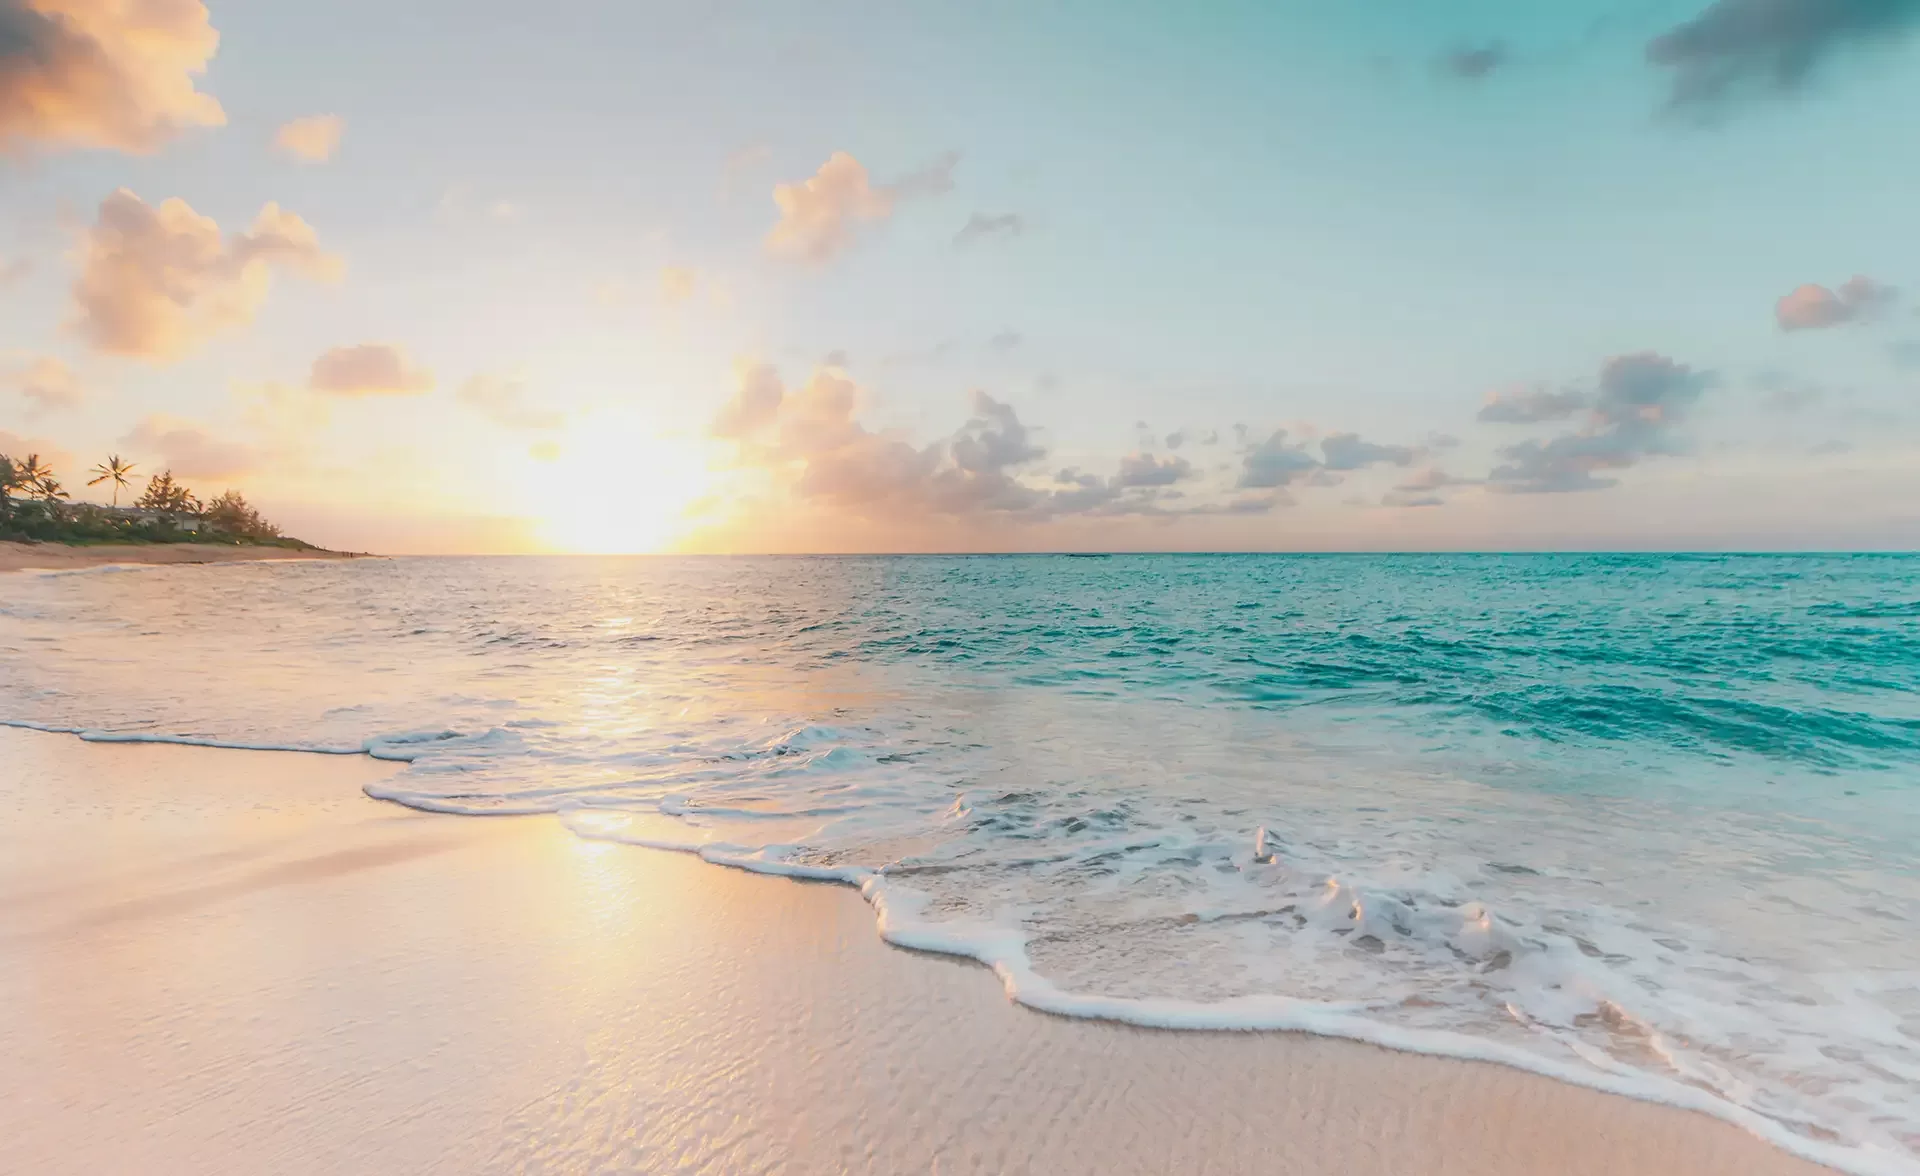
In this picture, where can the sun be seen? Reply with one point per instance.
(610, 486)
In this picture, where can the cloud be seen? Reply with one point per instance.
(804, 463)
(189, 451)
(17, 447)
(49, 384)
(1529, 406)
(1905, 353)
(983, 226)
(678, 284)
(994, 440)
(1811, 307)
(505, 403)
(1471, 63)
(103, 73)
(1404, 498)
(818, 214)
(1250, 504)
(368, 369)
(1143, 469)
(1422, 489)
(1346, 451)
(155, 283)
(935, 179)
(1006, 341)
(12, 270)
(808, 439)
(314, 138)
(1641, 400)
(1273, 463)
(755, 404)
(1733, 47)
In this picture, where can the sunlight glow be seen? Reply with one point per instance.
(613, 487)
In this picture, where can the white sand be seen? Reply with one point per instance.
(16, 557)
(218, 961)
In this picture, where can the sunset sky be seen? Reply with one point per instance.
(471, 275)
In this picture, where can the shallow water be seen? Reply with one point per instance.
(1644, 822)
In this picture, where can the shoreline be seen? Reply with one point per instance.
(53, 557)
(772, 981)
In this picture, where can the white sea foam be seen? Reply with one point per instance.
(901, 913)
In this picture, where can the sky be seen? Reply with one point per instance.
(487, 276)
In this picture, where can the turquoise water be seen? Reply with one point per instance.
(1644, 822)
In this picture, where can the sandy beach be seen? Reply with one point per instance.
(15, 557)
(219, 961)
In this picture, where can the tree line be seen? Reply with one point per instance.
(35, 506)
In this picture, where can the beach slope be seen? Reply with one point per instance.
(234, 962)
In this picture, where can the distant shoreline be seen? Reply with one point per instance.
(19, 557)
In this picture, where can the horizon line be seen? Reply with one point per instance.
(1336, 552)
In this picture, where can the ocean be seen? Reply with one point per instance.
(1647, 823)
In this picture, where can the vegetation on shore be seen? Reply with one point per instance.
(35, 507)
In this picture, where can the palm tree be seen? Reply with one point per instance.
(33, 476)
(114, 470)
(10, 480)
(36, 478)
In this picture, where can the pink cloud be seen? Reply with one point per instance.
(49, 384)
(818, 215)
(190, 451)
(157, 282)
(368, 369)
(313, 139)
(1812, 307)
(104, 73)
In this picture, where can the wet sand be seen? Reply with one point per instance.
(216, 961)
(15, 557)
